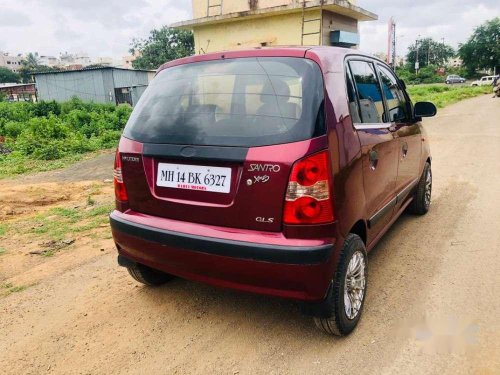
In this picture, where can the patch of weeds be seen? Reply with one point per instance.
(95, 189)
(90, 200)
(52, 247)
(106, 235)
(9, 288)
(3, 229)
(59, 222)
(2, 251)
(444, 95)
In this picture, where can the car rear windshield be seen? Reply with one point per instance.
(234, 102)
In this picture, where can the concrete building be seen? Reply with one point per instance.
(81, 58)
(106, 61)
(100, 85)
(454, 62)
(51, 61)
(127, 61)
(10, 62)
(220, 25)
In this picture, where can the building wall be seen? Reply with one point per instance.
(10, 62)
(284, 29)
(88, 86)
(234, 6)
(333, 21)
(97, 85)
(129, 78)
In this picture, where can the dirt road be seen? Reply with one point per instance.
(432, 305)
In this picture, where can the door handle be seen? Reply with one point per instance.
(373, 156)
(404, 149)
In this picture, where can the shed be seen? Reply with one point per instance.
(100, 85)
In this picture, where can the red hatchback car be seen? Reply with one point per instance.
(271, 171)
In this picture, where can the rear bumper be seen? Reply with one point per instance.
(299, 272)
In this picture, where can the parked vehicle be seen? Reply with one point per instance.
(272, 171)
(484, 81)
(453, 78)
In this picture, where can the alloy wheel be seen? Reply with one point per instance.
(355, 284)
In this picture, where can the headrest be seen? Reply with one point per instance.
(276, 87)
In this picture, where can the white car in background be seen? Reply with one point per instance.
(484, 81)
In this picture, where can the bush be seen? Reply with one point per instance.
(426, 75)
(51, 130)
(45, 108)
(443, 95)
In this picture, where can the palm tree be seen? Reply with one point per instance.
(31, 60)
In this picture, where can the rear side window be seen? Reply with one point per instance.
(371, 103)
(234, 102)
(353, 101)
(395, 99)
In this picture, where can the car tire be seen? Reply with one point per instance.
(336, 319)
(422, 197)
(447, 82)
(147, 275)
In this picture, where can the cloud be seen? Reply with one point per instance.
(97, 27)
(13, 18)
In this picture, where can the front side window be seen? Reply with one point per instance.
(235, 102)
(371, 103)
(394, 97)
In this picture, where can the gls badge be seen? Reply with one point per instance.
(264, 219)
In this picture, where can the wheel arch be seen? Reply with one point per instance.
(359, 228)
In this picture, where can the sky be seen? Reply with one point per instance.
(106, 27)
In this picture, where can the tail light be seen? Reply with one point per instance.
(308, 198)
(120, 191)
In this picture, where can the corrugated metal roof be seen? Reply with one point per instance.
(90, 69)
(5, 85)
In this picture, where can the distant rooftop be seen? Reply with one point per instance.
(13, 84)
(94, 68)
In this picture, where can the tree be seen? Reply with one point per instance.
(163, 45)
(430, 52)
(31, 60)
(8, 76)
(482, 50)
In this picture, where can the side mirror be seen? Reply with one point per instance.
(424, 109)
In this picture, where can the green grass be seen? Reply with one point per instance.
(3, 229)
(13, 165)
(2, 250)
(443, 95)
(57, 223)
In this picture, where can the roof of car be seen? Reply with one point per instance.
(279, 51)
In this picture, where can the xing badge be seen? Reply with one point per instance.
(257, 179)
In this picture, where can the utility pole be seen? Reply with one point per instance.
(394, 45)
(417, 64)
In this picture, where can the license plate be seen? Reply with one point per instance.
(194, 177)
